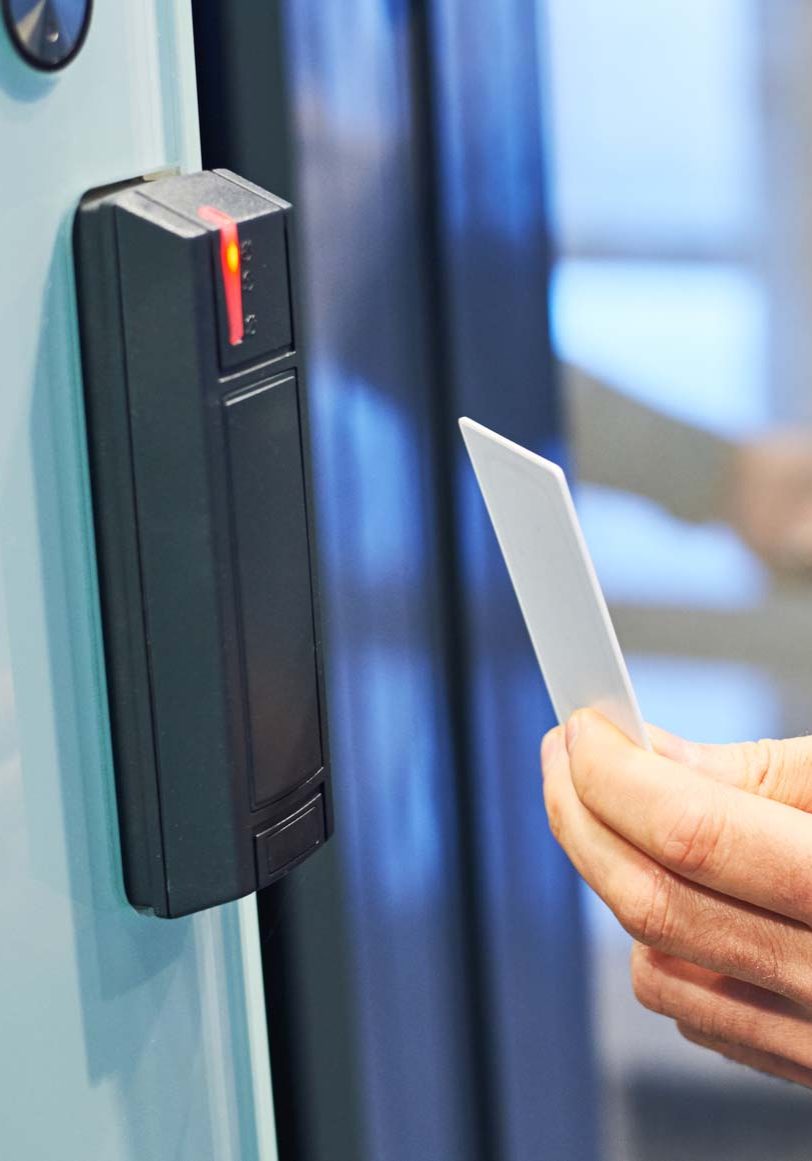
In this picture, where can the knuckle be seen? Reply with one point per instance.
(780, 770)
(647, 982)
(694, 1034)
(736, 1023)
(696, 840)
(769, 963)
(647, 913)
(555, 819)
(706, 1022)
(652, 987)
(688, 1032)
(763, 766)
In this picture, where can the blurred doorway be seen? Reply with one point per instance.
(682, 299)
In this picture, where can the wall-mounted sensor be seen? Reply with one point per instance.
(197, 437)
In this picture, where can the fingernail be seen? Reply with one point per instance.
(572, 732)
(550, 746)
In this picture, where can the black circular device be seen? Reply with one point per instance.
(47, 33)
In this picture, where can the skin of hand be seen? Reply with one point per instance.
(769, 499)
(704, 854)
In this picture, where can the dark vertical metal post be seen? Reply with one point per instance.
(435, 289)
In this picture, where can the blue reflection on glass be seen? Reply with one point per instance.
(489, 127)
(395, 840)
(490, 164)
(374, 547)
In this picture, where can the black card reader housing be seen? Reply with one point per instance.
(202, 499)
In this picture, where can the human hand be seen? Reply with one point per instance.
(704, 853)
(769, 499)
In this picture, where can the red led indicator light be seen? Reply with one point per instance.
(230, 269)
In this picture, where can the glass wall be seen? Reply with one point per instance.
(681, 297)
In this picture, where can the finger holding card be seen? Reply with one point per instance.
(704, 853)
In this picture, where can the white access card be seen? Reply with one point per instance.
(537, 527)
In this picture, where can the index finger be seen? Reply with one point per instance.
(779, 770)
(707, 831)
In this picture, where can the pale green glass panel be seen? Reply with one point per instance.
(122, 1038)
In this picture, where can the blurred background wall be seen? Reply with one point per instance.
(681, 139)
